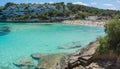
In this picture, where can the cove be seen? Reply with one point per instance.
(27, 38)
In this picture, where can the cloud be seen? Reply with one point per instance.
(93, 3)
(37, 2)
(80, 3)
(118, 1)
(113, 8)
(44, 2)
(110, 6)
(51, 2)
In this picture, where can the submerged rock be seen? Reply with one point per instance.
(36, 55)
(71, 45)
(4, 30)
(49, 61)
(24, 63)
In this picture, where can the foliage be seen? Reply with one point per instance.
(91, 11)
(112, 39)
(9, 4)
(62, 10)
(103, 45)
(112, 28)
(1, 7)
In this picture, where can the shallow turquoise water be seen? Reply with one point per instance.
(25, 39)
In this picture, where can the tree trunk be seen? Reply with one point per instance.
(118, 63)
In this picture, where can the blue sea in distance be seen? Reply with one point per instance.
(25, 39)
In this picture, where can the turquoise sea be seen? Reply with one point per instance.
(28, 38)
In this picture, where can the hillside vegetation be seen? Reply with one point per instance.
(12, 11)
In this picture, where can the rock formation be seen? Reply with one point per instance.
(25, 63)
(88, 58)
(36, 55)
(49, 61)
(70, 45)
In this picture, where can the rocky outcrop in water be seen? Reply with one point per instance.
(4, 30)
(70, 45)
(49, 61)
(25, 63)
(85, 58)
(36, 56)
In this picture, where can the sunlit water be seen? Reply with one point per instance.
(25, 39)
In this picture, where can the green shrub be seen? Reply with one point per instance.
(112, 40)
(103, 45)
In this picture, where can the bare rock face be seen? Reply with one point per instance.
(94, 66)
(79, 67)
(62, 64)
(24, 63)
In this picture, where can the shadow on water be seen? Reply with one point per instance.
(47, 24)
(4, 30)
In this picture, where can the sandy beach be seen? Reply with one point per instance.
(85, 22)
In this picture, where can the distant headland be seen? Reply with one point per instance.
(55, 12)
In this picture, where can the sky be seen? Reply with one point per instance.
(102, 4)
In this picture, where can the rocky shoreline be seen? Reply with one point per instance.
(84, 58)
(88, 58)
(43, 61)
(80, 22)
(86, 22)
